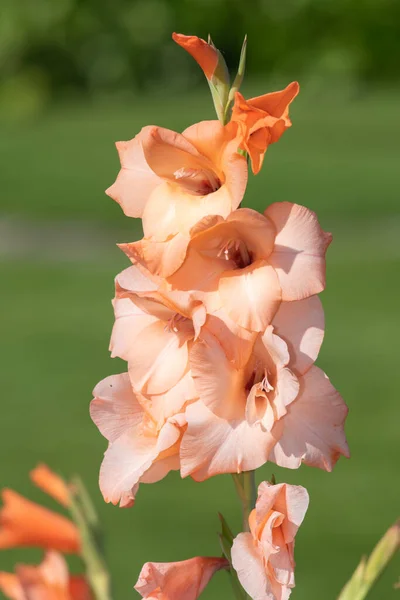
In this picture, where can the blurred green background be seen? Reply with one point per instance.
(77, 75)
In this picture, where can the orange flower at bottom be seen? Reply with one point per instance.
(48, 581)
(25, 523)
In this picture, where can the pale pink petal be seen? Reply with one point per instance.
(130, 320)
(286, 392)
(236, 341)
(247, 560)
(160, 257)
(135, 280)
(301, 324)
(312, 431)
(255, 230)
(172, 209)
(129, 457)
(158, 359)
(170, 403)
(217, 381)
(183, 580)
(136, 180)
(166, 152)
(251, 296)
(299, 253)
(212, 445)
(115, 408)
(290, 500)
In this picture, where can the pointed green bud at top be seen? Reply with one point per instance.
(240, 73)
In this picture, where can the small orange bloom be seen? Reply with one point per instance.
(204, 54)
(48, 581)
(264, 119)
(25, 523)
(52, 484)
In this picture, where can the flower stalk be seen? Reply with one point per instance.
(245, 485)
(85, 518)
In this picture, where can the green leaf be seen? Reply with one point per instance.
(370, 569)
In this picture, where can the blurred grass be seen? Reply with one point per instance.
(340, 159)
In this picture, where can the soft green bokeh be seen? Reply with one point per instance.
(58, 260)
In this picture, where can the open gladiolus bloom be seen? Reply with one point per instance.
(220, 324)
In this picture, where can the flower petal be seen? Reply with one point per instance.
(183, 580)
(251, 296)
(52, 484)
(204, 54)
(161, 361)
(312, 431)
(248, 563)
(213, 445)
(301, 324)
(136, 180)
(129, 457)
(299, 253)
(115, 408)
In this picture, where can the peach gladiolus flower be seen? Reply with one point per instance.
(277, 406)
(52, 484)
(204, 54)
(143, 441)
(263, 558)
(48, 581)
(264, 120)
(248, 263)
(25, 523)
(184, 580)
(173, 180)
(162, 325)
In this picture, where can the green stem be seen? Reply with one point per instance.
(96, 570)
(246, 489)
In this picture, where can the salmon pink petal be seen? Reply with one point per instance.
(300, 247)
(136, 180)
(251, 296)
(161, 361)
(237, 342)
(135, 280)
(312, 431)
(130, 320)
(216, 379)
(129, 457)
(171, 210)
(172, 402)
(212, 445)
(220, 144)
(167, 152)
(204, 54)
(248, 563)
(301, 325)
(115, 408)
(183, 580)
(161, 258)
(290, 500)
